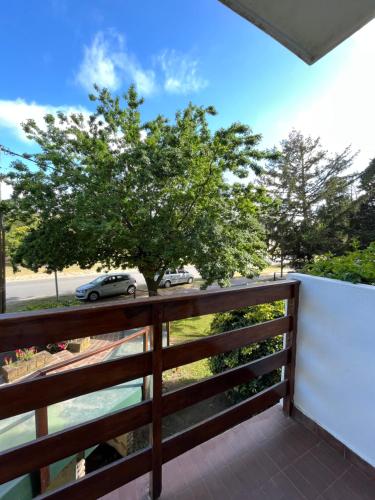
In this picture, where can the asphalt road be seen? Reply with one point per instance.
(22, 290)
(45, 287)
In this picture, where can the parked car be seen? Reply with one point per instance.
(175, 277)
(106, 286)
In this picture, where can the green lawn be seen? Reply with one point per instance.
(187, 330)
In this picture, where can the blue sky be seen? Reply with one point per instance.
(52, 51)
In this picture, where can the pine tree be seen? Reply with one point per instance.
(303, 180)
(363, 219)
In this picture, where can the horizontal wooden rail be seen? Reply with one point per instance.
(19, 330)
(38, 393)
(108, 478)
(54, 447)
(211, 427)
(183, 354)
(194, 393)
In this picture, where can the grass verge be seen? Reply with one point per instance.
(187, 330)
(47, 303)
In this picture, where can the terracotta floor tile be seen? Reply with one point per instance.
(308, 490)
(338, 491)
(314, 472)
(359, 483)
(331, 458)
(285, 487)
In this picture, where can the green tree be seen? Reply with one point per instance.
(363, 217)
(151, 195)
(14, 237)
(240, 318)
(304, 180)
(333, 217)
(279, 230)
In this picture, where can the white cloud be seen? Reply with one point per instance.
(14, 113)
(343, 112)
(98, 66)
(180, 73)
(107, 63)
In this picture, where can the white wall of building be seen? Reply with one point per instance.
(335, 365)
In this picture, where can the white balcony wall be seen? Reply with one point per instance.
(335, 365)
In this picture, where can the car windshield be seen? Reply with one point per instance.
(98, 280)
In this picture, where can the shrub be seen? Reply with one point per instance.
(357, 266)
(247, 316)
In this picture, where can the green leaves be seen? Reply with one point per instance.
(356, 267)
(240, 318)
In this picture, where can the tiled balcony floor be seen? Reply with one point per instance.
(269, 457)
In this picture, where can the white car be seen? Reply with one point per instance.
(107, 285)
(175, 277)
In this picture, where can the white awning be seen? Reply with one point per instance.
(309, 28)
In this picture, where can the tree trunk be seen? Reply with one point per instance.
(152, 285)
(281, 265)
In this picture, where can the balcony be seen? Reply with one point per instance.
(318, 444)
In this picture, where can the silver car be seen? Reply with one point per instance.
(175, 277)
(106, 286)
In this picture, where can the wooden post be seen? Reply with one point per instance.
(2, 267)
(146, 379)
(168, 326)
(41, 428)
(2, 261)
(291, 341)
(156, 425)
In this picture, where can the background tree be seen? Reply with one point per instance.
(362, 224)
(51, 246)
(333, 216)
(307, 183)
(279, 230)
(149, 195)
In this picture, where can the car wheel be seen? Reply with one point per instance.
(130, 290)
(93, 296)
(167, 284)
(190, 281)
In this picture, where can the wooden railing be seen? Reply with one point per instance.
(37, 328)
